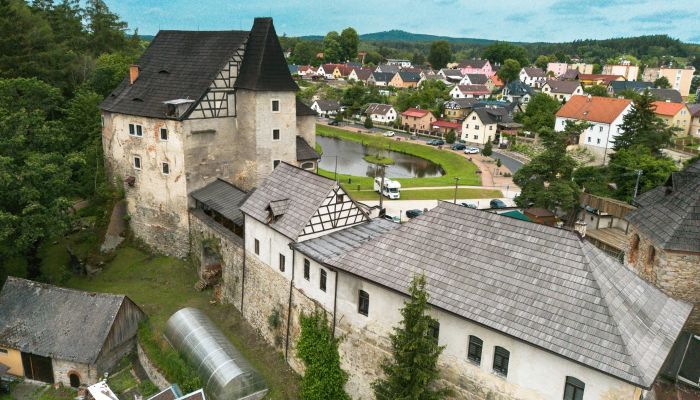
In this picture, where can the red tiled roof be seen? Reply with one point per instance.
(599, 77)
(497, 81)
(447, 124)
(594, 109)
(415, 112)
(667, 108)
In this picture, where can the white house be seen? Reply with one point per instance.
(474, 79)
(562, 90)
(533, 77)
(380, 78)
(481, 124)
(470, 91)
(450, 75)
(326, 108)
(399, 62)
(381, 113)
(604, 114)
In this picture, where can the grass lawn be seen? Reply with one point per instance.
(432, 194)
(454, 164)
(162, 285)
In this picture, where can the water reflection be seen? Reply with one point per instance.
(349, 156)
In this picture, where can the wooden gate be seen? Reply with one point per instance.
(37, 368)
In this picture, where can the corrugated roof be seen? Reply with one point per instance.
(539, 284)
(55, 322)
(224, 198)
(304, 151)
(593, 108)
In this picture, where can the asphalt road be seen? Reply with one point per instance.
(512, 164)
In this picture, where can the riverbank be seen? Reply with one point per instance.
(454, 164)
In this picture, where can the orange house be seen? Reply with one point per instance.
(417, 120)
(675, 115)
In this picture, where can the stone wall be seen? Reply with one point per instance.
(151, 370)
(61, 369)
(676, 273)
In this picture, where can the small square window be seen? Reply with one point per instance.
(282, 262)
(275, 105)
(166, 168)
(476, 137)
(163, 133)
(589, 139)
(322, 281)
(275, 134)
(275, 163)
(476, 126)
(307, 269)
(257, 247)
(137, 162)
(600, 129)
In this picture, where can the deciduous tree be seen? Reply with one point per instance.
(662, 83)
(509, 71)
(501, 51)
(349, 40)
(540, 113)
(440, 54)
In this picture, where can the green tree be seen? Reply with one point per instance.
(373, 58)
(488, 149)
(593, 179)
(451, 136)
(540, 113)
(110, 70)
(596, 90)
(440, 54)
(332, 50)
(349, 40)
(662, 83)
(431, 95)
(626, 161)
(545, 181)
(105, 28)
(641, 126)
(412, 370)
(499, 52)
(509, 71)
(304, 53)
(417, 59)
(541, 62)
(317, 348)
(368, 122)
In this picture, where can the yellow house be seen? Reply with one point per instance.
(695, 119)
(13, 359)
(404, 79)
(675, 115)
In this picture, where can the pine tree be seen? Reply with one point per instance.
(488, 149)
(641, 126)
(451, 136)
(413, 370)
(368, 122)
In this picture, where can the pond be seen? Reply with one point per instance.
(349, 156)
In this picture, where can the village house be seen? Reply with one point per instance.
(380, 78)
(456, 109)
(224, 108)
(474, 79)
(470, 91)
(494, 83)
(615, 88)
(305, 70)
(417, 120)
(598, 79)
(679, 78)
(557, 69)
(481, 125)
(628, 71)
(57, 335)
(668, 95)
(381, 113)
(387, 69)
(405, 80)
(476, 67)
(328, 71)
(451, 75)
(603, 114)
(518, 92)
(399, 62)
(359, 74)
(326, 108)
(533, 77)
(569, 75)
(562, 90)
(442, 127)
(675, 115)
(694, 110)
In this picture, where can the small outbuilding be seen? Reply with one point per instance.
(57, 335)
(541, 216)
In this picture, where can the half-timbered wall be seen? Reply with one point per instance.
(220, 99)
(337, 211)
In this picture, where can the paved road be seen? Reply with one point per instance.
(395, 208)
(512, 164)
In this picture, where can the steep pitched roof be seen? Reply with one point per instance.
(667, 108)
(492, 115)
(304, 151)
(451, 72)
(415, 112)
(473, 63)
(409, 76)
(671, 95)
(518, 88)
(176, 65)
(570, 74)
(534, 72)
(327, 105)
(264, 67)
(303, 110)
(382, 76)
(474, 89)
(567, 87)
(477, 79)
(55, 322)
(670, 215)
(224, 198)
(386, 68)
(304, 192)
(538, 284)
(378, 109)
(593, 108)
(694, 109)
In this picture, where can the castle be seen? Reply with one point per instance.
(217, 156)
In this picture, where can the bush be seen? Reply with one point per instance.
(488, 149)
(451, 136)
(369, 124)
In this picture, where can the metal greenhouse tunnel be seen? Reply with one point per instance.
(225, 373)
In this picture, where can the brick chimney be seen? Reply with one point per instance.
(133, 73)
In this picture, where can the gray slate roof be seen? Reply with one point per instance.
(327, 105)
(567, 87)
(671, 95)
(305, 191)
(224, 198)
(303, 110)
(382, 76)
(539, 284)
(670, 215)
(304, 151)
(461, 103)
(55, 322)
(477, 79)
(493, 115)
(409, 76)
(325, 248)
(534, 72)
(619, 86)
(386, 68)
(694, 109)
(378, 109)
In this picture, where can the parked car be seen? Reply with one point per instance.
(392, 218)
(458, 146)
(436, 142)
(468, 205)
(472, 150)
(496, 203)
(413, 213)
(389, 133)
(334, 123)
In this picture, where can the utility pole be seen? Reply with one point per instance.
(335, 173)
(456, 184)
(381, 189)
(636, 185)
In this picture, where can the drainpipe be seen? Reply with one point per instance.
(289, 309)
(335, 300)
(243, 275)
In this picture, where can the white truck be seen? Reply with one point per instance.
(391, 189)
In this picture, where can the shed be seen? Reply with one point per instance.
(58, 335)
(226, 374)
(540, 216)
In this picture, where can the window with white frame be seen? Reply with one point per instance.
(136, 130)
(163, 134)
(137, 162)
(165, 168)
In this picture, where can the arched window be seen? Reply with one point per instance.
(474, 349)
(74, 379)
(501, 357)
(573, 389)
(308, 165)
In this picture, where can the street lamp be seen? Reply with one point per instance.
(456, 185)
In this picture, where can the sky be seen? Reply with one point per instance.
(510, 20)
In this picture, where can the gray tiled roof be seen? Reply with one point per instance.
(670, 215)
(303, 110)
(567, 87)
(671, 95)
(382, 76)
(304, 190)
(492, 115)
(304, 151)
(409, 76)
(328, 247)
(224, 198)
(477, 79)
(539, 284)
(534, 72)
(378, 109)
(55, 322)
(327, 105)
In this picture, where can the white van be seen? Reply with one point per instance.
(391, 189)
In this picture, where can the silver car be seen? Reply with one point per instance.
(389, 133)
(472, 150)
